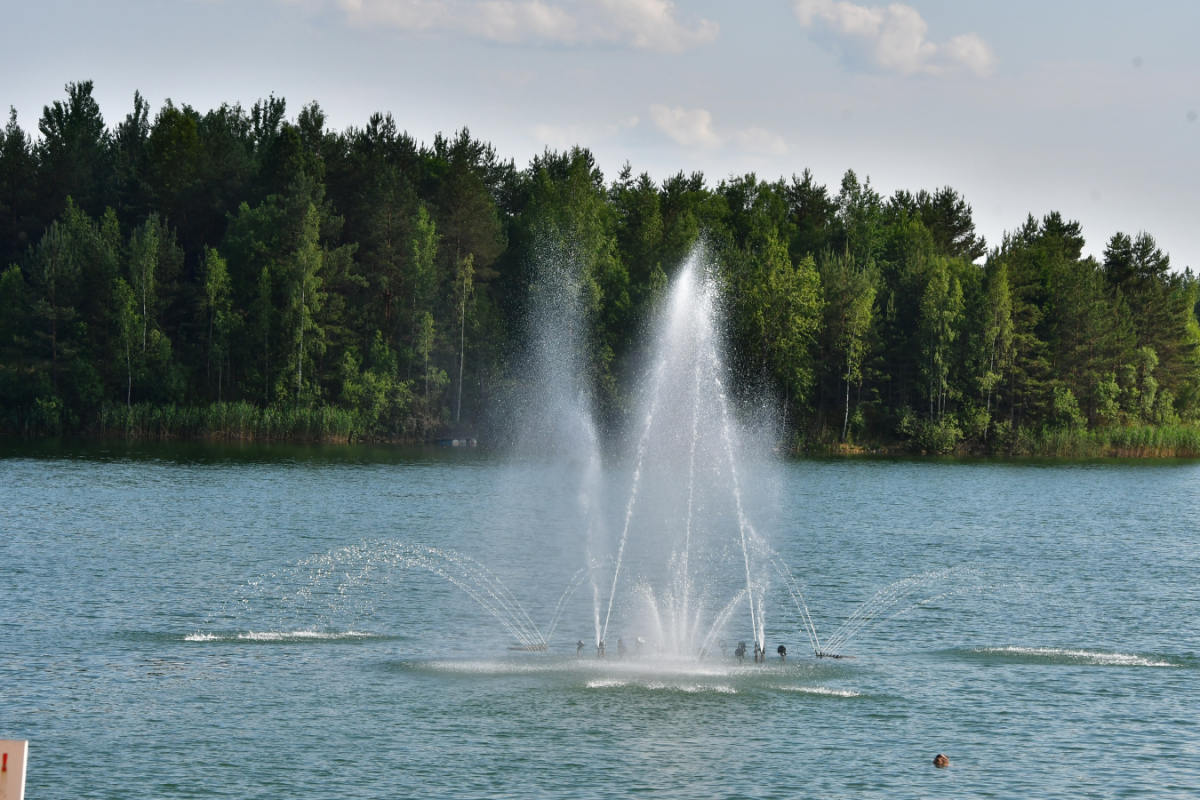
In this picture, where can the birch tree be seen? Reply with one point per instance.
(421, 272)
(998, 332)
(464, 285)
(125, 316)
(426, 333)
(55, 270)
(941, 311)
(303, 294)
(143, 267)
(850, 311)
(217, 304)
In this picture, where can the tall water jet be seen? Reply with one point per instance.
(686, 541)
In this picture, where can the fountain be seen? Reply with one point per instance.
(684, 565)
(686, 560)
(687, 555)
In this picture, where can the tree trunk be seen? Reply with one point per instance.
(300, 353)
(266, 367)
(462, 350)
(54, 342)
(991, 365)
(846, 416)
(413, 339)
(208, 359)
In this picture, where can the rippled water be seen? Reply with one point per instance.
(196, 620)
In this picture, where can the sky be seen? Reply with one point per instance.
(1086, 108)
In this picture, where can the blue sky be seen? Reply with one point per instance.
(1024, 107)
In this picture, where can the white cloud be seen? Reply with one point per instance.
(761, 142)
(561, 137)
(694, 128)
(651, 25)
(508, 22)
(893, 38)
(414, 15)
(641, 24)
(689, 128)
(971, 52)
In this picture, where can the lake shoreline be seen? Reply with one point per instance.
(1037, 449)
(1142, 452)
(240, 421)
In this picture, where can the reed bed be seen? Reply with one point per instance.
(1117, 441)
(1143, 441)
(234, 421)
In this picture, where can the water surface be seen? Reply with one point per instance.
(198, 620)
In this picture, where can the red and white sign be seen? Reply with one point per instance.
(12, 769)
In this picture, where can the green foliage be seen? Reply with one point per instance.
(941, 313)
(1066, 409)
(380, 400)
(143, 266)
(777, 309)
(938, 436)
(997, 333)
(464, 286)
(125, 319)
(217, 307)
(240, 272)
(422, 275)
(947, 217)
(860, 215)
(54, 272)
(303, 299)
(849, 315)
(12, 306)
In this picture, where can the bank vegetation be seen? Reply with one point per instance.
(242, 273)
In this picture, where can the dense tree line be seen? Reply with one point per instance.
(184, 259)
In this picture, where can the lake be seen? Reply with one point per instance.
(185, 620)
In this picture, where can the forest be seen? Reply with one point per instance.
(244, 273)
